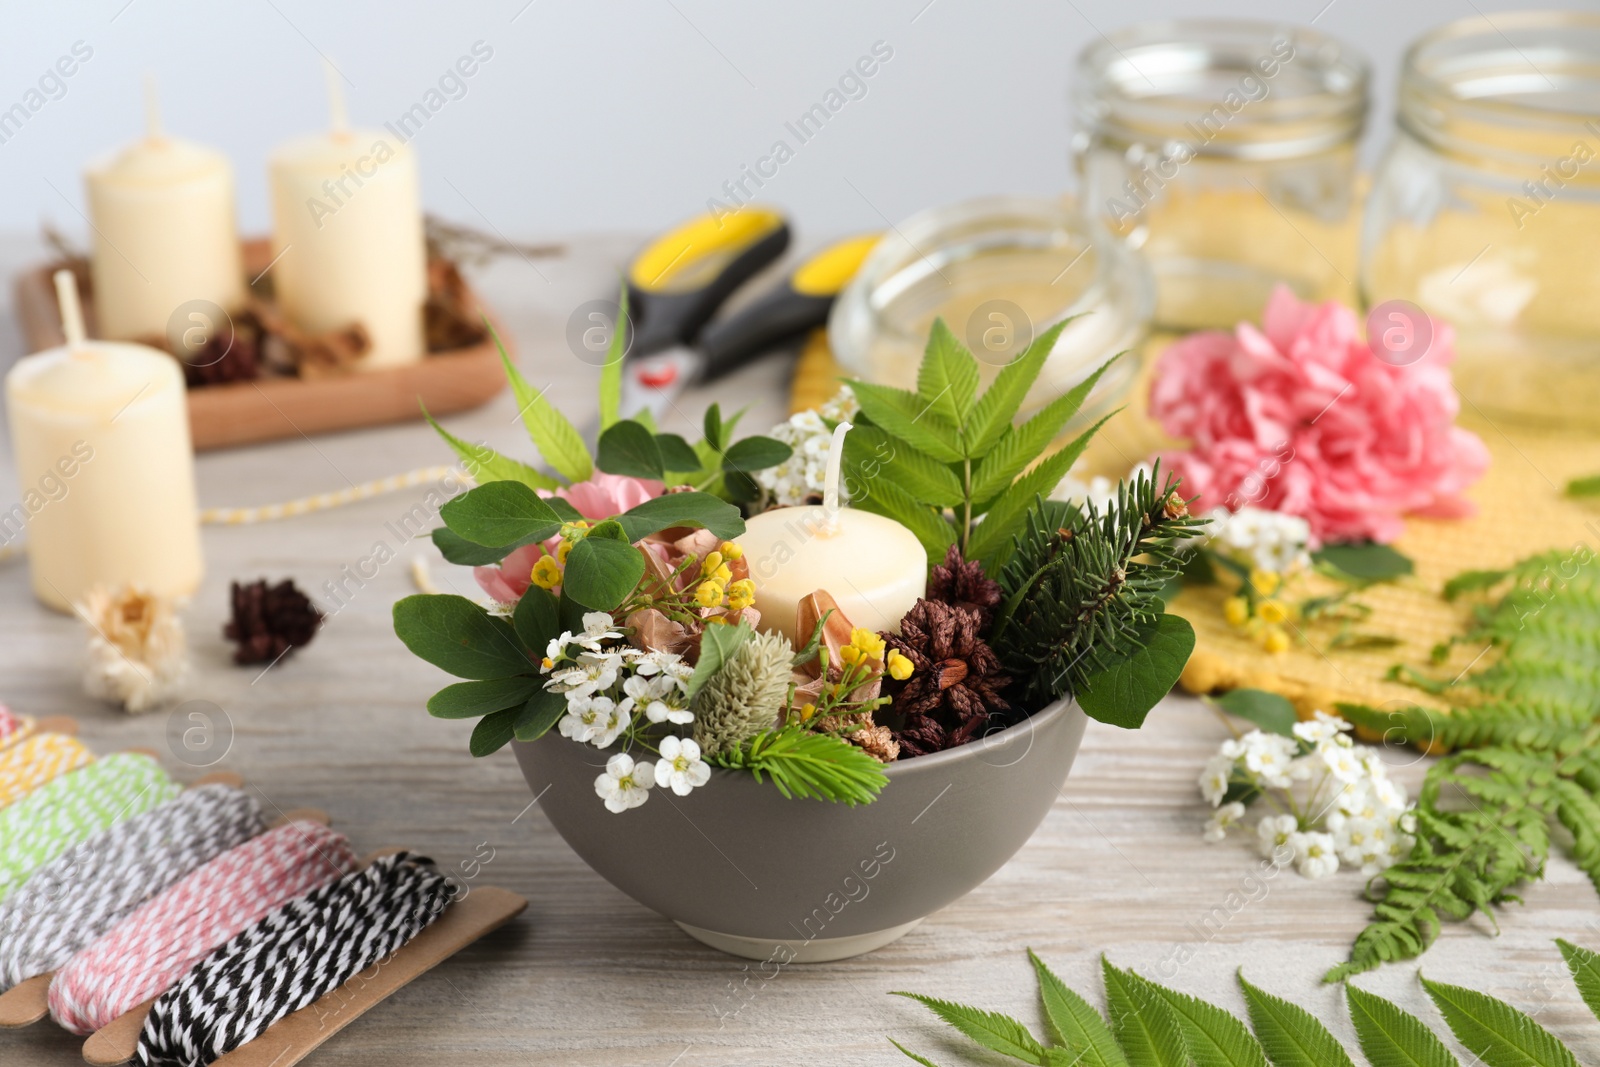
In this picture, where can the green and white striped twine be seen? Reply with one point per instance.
(75, 807)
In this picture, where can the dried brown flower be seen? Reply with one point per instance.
(269, 620)
(964, 584)
(957, 683)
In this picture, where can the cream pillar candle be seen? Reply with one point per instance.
(164, 234)
(100, 430)
(347, 237)
(874, 567)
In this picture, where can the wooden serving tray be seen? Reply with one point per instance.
(270, 408)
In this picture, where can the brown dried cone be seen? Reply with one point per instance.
(231, 353)
(310, 355)
(956, 683)
(862, 730)
(269, 620)
(450, 317)
(964, 584)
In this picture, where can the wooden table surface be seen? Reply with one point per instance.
(588, 977)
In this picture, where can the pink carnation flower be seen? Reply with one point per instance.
(1301, 417)
(603, 496)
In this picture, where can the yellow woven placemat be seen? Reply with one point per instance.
(1521, 510)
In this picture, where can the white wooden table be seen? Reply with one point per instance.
(588, 977)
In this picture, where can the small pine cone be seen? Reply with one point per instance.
(269, 620)
(963, 584)
(956, 683)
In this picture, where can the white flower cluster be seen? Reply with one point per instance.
(801, 475)
(607, 685)
(1259, 539)
(1334, 801)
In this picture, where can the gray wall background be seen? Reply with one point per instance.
(608, 115)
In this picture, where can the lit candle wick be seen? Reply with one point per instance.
(71, 310)
(830, 484)
(338, 120)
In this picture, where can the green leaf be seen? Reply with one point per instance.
(1273, 713)
(717, 645)
(629, 449)
(994, 1031)
(1214, 1037)
(537, 619)
(1585, 969)
(611, 370)
(925, 1062)
(1019, 446)
(682, 509)
(993, 541)
(886, 499)
(1365, 562)
(1393, 1038)
(557, 439)
(1291, 1036)
(994, 411)
(457, 549)
(493, 732)
(872, 456)
(712, 424)
(1581, 487)
(947, 380)
(907, 416)
(677, 455)
(542, 711)
(1142, 1023)
(501, 514)
(485, 465)
(1494, 1030)
(1073, 1023)
(468, 700)
(600, 572)
(1123, 694)
(458, 636)
(755, 453)
(806, 765)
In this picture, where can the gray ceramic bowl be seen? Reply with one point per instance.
(745, 870)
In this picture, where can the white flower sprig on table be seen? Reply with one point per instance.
(800, 477)
(1333, 801)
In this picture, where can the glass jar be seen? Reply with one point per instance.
(1226, 151)
(999, 271)
(1485, 211)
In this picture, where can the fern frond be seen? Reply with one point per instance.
(805, 764)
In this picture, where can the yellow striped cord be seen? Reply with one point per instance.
(323, 501)
(41, 758)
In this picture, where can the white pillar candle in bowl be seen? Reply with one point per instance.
(100, 430)
(164, 234)
(347, 237)
(874, 567)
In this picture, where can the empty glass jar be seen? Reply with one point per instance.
(1485, 211)
(1226, 151)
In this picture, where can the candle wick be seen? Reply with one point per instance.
(338, 120)
(71, 311)
(830, 484)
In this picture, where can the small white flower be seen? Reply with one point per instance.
(1268, 756)
(681, 766)
(1315, 855)
(594, 672)
(1273, 836)
(558, 645)
(1342, 763)
(594, 720)
(597, 628)
(625, 784)
(1224, 817)
(1322, 727)
(1214, 779)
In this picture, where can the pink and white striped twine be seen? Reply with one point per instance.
(156, 945)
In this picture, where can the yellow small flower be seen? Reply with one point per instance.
(574, 531)
(1266, 582)
(721, 575)
(546, 573)
(708, 594)
(869, 643)
(712, 562)
(1274, 640)
(1271, 612)
(741, 594)
(850, 654)
(562, 551)
(1236, 610)
(717, 620)
(807, 711)
(732, 551)
(898, 666)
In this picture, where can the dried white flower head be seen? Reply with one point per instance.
(746, 696)
(138, 657)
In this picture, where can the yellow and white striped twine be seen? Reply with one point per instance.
(304, 505)
(29, 764)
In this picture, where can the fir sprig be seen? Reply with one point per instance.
(805, 764)
(1149, 1025)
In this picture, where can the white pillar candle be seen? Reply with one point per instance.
(100, 430)
(875, 568)
(347, 237)
(164, 234)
